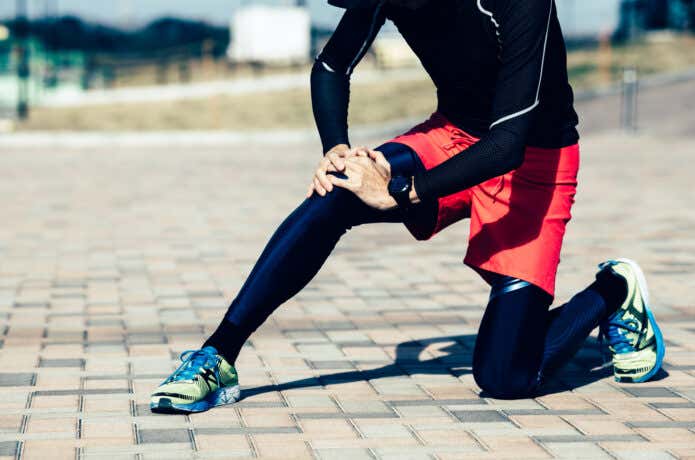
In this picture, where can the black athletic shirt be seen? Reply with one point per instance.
(500, 68)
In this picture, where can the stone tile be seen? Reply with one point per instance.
(163, 436)
(231, 445)
(371, 360)
(650, 392)
(480, 416)
(19, 379)
(9, 448)
(61, 363)
(333, 429)
(576, 450)
(58, 449)
(344, 454)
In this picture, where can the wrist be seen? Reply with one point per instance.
(337, 148)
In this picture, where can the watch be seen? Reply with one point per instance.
(399, 188)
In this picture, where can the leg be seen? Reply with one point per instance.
(297, 251)
(509, 348)
(292, 257)
(520, 341)
(570, 324)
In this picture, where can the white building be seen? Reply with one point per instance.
(270, 35)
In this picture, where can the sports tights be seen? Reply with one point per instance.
(520, 340)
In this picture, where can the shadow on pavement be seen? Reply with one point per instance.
(585, 368)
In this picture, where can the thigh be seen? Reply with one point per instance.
(405, 162)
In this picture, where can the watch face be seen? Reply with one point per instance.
(399, 184)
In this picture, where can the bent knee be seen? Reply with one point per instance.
(334, 208)
(506, 383)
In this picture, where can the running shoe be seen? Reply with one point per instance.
(203, 380)
(631, 333)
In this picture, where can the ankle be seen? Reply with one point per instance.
(228, 339)
(612, 288)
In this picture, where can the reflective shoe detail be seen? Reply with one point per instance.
(632, 334)
(203, 380)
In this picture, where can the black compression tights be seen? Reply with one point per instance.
(519, 339)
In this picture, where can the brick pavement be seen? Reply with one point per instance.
(114, 262)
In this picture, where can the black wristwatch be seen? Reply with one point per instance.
(399, 188)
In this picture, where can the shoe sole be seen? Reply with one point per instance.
(221, 397)
(658, 336)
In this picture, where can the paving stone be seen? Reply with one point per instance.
(372, 360)
(580, 438)
(480, 416)
(437, 402)
(248, 430)
(650, 392)
(9, 448)
(17, 380)
(577, 450)
(61, 363)
(344, 454)
(163, 436)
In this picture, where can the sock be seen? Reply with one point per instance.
(227, 339)
(612, 288)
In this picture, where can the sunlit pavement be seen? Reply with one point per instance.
(113, 261)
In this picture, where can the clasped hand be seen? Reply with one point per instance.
(368, 175)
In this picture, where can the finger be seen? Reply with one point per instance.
(319, 189)
(360, 162)
(380, 160)
(323, 179)
(342, 183)
(362, 151)
(337, 161)
(355, 152)
(310, 191)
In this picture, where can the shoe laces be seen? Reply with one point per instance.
(193, 362)
(616, 332)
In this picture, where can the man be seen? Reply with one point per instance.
(501, 150)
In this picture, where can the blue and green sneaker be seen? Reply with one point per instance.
(203, 380)
(631, 333)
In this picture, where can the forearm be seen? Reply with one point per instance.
(330, 96)
(497, 153)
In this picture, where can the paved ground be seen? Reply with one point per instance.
(112, 262)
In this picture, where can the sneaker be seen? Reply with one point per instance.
(631, 333)
(203, 380)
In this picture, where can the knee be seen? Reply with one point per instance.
(505, 382)
(337, 203)
(329, 210)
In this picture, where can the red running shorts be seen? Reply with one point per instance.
(517, 220)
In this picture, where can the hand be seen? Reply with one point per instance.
(368, 178)
(333, 161)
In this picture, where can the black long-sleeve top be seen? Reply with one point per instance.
(500, 68)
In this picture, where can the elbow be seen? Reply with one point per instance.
(511, 158)
(515, 159)
(511, 145)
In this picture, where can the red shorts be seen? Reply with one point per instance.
(518, 220)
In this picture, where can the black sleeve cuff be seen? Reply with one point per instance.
(422, 187)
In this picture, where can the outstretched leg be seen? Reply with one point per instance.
(296, 252)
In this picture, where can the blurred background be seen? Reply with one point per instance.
(156, 65)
